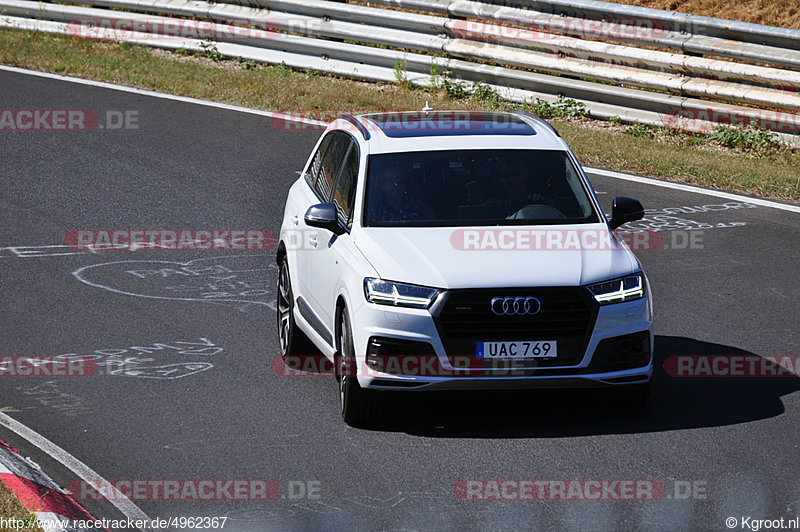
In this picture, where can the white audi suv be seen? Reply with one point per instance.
(443, 250)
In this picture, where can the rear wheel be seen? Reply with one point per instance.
(359, 407)
(294, 344)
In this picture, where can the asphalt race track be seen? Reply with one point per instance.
(203, 402)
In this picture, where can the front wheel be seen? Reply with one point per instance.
(359, 407)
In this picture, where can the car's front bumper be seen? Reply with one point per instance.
(613, 323)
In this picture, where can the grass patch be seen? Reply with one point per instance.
(746, 139)
(485, 93)
(742, 161)
(672, 157)
(11, 508)
(641, 131)
(563, 108)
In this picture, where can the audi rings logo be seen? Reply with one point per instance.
(516, 306)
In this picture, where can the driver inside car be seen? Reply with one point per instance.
(393, 200)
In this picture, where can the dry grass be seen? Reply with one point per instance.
(770, 12)
(703, 163)
(11, 508)
(659, 154)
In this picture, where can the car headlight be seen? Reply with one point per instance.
(626, 288)
(398, 294)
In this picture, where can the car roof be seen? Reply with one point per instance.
(452, 129)
(447, 123)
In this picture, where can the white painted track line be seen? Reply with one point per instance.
(83, 471)
(162, 95)
(691, 188)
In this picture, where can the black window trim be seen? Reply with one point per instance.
(313, 186)
(356, 122)
(307, 173)
(349, 224)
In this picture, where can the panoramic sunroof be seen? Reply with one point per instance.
(448, 123)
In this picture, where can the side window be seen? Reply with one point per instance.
(344, 194)
(331, 164)
(316, 162)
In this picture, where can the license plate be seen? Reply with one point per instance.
(519, 350)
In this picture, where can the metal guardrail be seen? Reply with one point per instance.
(678, 31)
(521, 53)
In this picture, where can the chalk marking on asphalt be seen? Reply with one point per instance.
(246, 302)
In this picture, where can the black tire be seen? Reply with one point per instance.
(294, 344)
(359, 407)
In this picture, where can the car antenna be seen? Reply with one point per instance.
(427, 109)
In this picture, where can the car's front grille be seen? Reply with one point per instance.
(465, 317)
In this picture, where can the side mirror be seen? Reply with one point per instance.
(625, 210)
(324, 215)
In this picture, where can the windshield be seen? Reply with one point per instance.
(475, 187)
